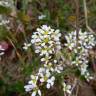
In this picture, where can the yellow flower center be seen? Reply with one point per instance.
(46, 32)
(46, 40)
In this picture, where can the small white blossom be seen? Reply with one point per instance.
(4, 22)
(50, 82)
(66, 88)
(77, 61)
(46, 58)
(32, 83)
(26, 46)
(44, 74)
(55, 61)
(32, 86)
(88, 77)
(28, 88)
(83, 68)
(58, 68)
(41, 17)
(34, 93)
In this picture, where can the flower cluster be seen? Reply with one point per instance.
(46, 40)
(80, 48)
(46, 43)
(85, 40)
(44, 76)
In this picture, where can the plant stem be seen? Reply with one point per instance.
(86, 17)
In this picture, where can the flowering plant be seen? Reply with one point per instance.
(46, 42)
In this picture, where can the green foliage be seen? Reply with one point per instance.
(16, 88)
(4, 10)
(3, 32)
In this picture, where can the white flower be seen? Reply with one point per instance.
(34, 77)
(88, 77)
(67, 88)
(77, 61)
(50, 82)
(28, 88)
(41, 17)
(55, 61)
(44, 74)
(34, 93)
(71, 40)
(48, 74)
(32, 86)
(59, 68)
(4, 22)
(26, 46)
(46, 58)
(83, 69)
(42, 80)
(39, 92)
(32, 83)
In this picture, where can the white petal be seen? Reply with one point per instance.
(43, 59)
(28, 88)
(37, 51)
(48, 86)
(68, 91)
(39, 92)
(42, 80)
(2, 53)
(34, 93)
(32, 76)
(52, 78)
(68, 86)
